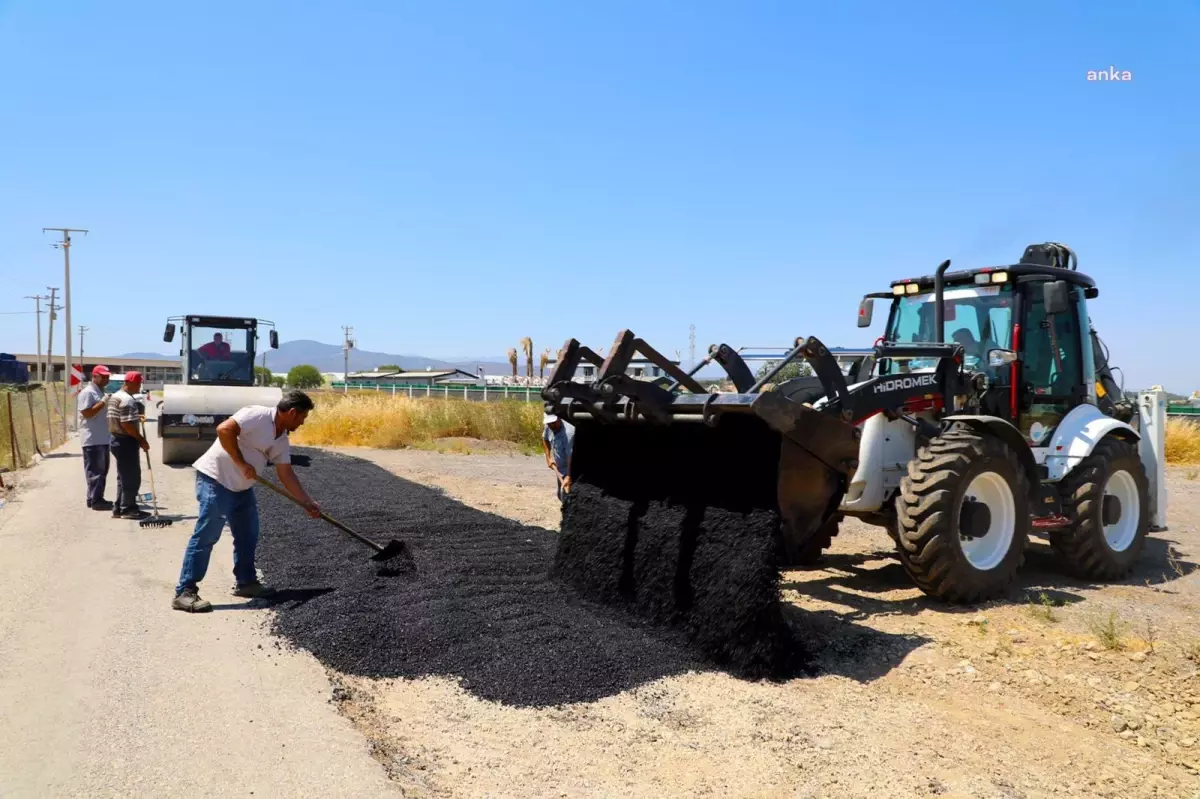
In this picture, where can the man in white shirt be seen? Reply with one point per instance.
(94, 437)
(225, 479)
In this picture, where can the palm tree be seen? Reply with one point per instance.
(512, 359)
(527, 346)
(545, 360)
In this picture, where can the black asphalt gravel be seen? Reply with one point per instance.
(679, 524)
(480, 605)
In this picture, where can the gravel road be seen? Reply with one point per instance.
(107, 691)
(1023, 698)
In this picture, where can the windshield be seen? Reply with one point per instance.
(979, 318)
(221, 355)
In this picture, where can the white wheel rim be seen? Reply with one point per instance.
(987, 552)
(1121, 534)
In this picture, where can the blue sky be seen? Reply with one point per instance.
(449, 177)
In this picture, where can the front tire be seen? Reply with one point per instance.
(1104, 544)
(963, 517)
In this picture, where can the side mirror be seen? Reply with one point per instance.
(866, 310)
(169, 334)
(274, 340)
(1056, 297)
(1001, 357)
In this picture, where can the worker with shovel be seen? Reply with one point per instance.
(225, 478)
(557, 438)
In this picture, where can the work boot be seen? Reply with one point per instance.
(137, 514)
(102, 505)
(191, 602)
(253, 590)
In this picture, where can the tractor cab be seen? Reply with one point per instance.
(1023, 327)
(218, 350)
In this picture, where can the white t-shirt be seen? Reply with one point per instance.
(258, 444)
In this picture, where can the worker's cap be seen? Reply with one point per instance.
(101, 370)
(548, 418)
(133, 377)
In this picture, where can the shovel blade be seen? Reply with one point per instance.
(393, 549)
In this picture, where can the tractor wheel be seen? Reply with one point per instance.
(811, 551)
(1107, 498)
(963, 517)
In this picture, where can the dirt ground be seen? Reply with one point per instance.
(1063, 689)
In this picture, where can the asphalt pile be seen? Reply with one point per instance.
(679, 525)
(479, 604)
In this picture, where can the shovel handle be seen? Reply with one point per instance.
(324, 515)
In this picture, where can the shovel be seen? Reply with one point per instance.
(390, 554)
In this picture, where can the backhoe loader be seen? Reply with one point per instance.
(986, 412)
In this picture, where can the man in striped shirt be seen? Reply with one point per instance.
(127, 446)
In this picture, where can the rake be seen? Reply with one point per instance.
(155, 520)
(393, 555)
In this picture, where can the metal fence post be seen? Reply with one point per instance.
(12, 435)
(428, 390)
(485, 392)
(37, 447)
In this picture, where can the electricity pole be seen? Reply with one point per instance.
(50, 343)
(37, 298)
(82, 328)
(347, 345)
(65, 245)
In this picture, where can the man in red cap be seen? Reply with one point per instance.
(94, 437)
(127, 447)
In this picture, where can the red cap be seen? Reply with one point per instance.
(133, 377)
(101, 370)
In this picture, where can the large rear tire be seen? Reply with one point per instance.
(963, 517)
(1100, 544)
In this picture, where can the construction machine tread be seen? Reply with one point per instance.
(1082, 547)
(928, 510)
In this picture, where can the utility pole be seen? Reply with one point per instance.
(37, 298)
(347, 345)
(65, 245)
(50, 344)
(82, 328)
(265, 377)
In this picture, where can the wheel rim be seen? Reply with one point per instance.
(1120, 534)
(987, 551)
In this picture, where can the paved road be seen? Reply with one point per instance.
(107, 691)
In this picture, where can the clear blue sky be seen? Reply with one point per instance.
(448, 177)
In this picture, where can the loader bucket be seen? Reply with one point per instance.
(682, 518)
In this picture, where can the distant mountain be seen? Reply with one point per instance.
(149, 356)
(329, 358)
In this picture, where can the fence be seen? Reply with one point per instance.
(31, 423)
(474, 393)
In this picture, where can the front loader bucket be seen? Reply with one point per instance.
(679, 511)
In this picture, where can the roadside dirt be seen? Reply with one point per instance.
(1063, 689)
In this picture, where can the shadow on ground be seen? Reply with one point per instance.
(480, 608)
(866, 584)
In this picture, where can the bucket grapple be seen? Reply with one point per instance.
(684, 503)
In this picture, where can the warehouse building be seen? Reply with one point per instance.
(155, 372)
(436, 377)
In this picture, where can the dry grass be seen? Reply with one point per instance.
(394, 422)
(1183, 442)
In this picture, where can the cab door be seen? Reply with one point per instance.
(1051, 373)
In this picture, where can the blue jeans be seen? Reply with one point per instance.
(219, 505)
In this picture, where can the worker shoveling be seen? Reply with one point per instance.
(686, 504)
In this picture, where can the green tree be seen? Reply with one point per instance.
(262, 376)
(304, 376)
(389, 367)
(797, 368)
